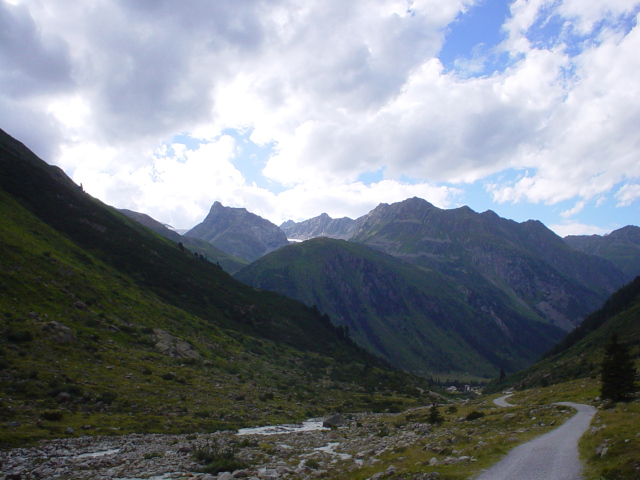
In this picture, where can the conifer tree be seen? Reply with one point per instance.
(618, 372)
(434, 415)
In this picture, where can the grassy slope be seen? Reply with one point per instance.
(579, 355)
(412, 317)
(214, 255)
(107, 282)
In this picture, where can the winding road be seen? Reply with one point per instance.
(553, 456)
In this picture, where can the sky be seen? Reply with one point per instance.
(292, 108)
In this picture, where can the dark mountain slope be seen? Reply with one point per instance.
(98, 328)
(621, 247)
(229, 263)
(321, 226)
(238, 232)
(158, 264)
(527, 261)
(416, 319)
(580, 353)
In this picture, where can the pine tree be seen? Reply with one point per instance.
(434, 415)
(618, 372)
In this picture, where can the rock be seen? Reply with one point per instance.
(185, 449)
(69, 431)
(508, 416)
(58, 332)
(377, 476)
(172, 346)
(63, 397)
(433, 461)
(225, 476)
(603, 448)
(336, 420)
(391, 470)
(80, 305)
(240, 474)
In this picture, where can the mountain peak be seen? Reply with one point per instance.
(239, 232)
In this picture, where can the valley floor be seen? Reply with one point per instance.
(473, 435)
(370, 444)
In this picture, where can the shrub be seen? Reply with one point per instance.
(52, 415)
(312, 463)
(217, 458)
(150, 455)
(107, 397)
(474, 415)
(21, 336)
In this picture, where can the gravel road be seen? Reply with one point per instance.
(553, 456)
(502, 401)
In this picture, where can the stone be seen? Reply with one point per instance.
(336, 420)
(377, 476)
(63, 397)
(69, 431)
(433, 461)
(172, 346)
(603, 448)
(225, 476)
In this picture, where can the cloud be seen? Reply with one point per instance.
(628, 194)
(575, 228)
(333, 89)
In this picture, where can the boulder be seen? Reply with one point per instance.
(172, 346)
(336, 420)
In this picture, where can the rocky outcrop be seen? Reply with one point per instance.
(621, 247)
(321, 226)
(524, 261)
(238, 232)
(172, 346)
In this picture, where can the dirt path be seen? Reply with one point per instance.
(502, 401)
(552, 456)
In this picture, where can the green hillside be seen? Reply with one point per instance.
(579, 354)
(416, 319)
(107, 327)
(229, 263)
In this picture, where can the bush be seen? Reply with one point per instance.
(65, 388)
(312, 463)
(216, 458)
(19, 336)
(474, 415)
(107, 397)
(52, 415)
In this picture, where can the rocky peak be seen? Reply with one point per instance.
(321, 226)
(239, 232)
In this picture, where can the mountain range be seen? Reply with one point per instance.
(433, 291)
(108, 327)
(514, 286)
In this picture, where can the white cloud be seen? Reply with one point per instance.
(338, 89)
(628, 194)
(578, 207)
(575, 228)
